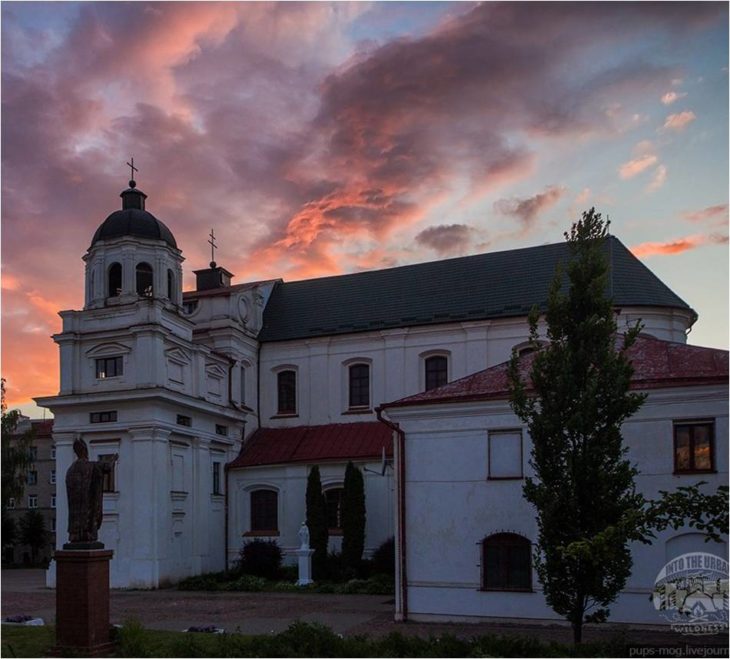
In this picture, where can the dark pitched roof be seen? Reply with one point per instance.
(337, 441)
(493, 285)
(657, 364)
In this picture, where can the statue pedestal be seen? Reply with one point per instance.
(305, 566)
(82, 600)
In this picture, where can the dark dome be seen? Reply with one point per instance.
(134, 222)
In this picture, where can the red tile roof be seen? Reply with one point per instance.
(657, 364)
(337, 441)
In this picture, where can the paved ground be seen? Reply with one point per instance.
(24, 592)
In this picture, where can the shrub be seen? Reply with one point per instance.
(261, 558)
(201, 582)
(132, 641)
(383, 560)
(247, 583)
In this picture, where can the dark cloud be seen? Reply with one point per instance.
(447, 239)
(527, 210)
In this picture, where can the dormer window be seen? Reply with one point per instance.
(115, 280)
(109, 367)
(144, 279)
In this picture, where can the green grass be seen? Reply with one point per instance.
(305, 640)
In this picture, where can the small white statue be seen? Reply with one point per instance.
(304, 536)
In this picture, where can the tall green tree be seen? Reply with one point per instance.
(33, 532)
(574, 406)
(353, 517)
(15, 452)
(317, 524)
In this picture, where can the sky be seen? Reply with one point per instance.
(325, 138)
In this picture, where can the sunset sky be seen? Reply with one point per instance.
(327, 138)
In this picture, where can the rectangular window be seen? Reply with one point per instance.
(33, 453)
(109, 367)
(505, 454)
(183, 420)
(32, 501)
(287, 390)
(53, 452)
(437, 371)
(264, 511)
(53, 524)
(11, 503)
(221, 430)
(217, 478)
(53, 501)
(102, 417)
(359, 385)
(694, 446)
(109, 484)
(32, 477)
(53, 477)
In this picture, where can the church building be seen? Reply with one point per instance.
(220, 400)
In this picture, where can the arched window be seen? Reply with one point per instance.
(287, 390)
(115, 279)
(170, 286)
(333, 501)
(359, 387)
(437, 371)
(506, 562)
(265, 511)
(144, 279)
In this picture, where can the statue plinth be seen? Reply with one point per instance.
(304, 554)
(82, 600)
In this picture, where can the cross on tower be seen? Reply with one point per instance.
(213, 247)
(133, 169)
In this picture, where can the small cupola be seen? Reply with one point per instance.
(132, 197)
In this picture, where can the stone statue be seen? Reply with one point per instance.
(304, 536)
(84, 489)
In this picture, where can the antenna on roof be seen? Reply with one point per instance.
(384, 464)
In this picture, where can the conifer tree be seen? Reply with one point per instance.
(317, 524)
(574, 406)
(353, 517)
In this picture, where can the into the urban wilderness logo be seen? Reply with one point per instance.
(691, 591)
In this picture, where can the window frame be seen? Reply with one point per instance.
(109, 416)
(334, 530)
(52, 477)
(505, 541)
(11, 503)
(53, 501)
(34, 479)
(109, 484)
(358, 406)
(286, 411)
(691, 424)
(505, 431)
(32, 501)
(101, 373)
(430, 359)
(256, 525)
(216, 484)
(144, 272)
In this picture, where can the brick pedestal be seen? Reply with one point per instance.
(82, 600)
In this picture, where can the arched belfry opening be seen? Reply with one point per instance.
(144, 279)
(115, 280)
(170, 285)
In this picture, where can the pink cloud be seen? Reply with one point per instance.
(678, 122)
(672, 97)
(715, 215)
(637, 165)
(644, 250)
(658, 179)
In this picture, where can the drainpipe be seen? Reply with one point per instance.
(225, 513)
(401, 496)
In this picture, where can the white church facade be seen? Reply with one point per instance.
(220, 400)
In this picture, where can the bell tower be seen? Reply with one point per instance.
(135, 382)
